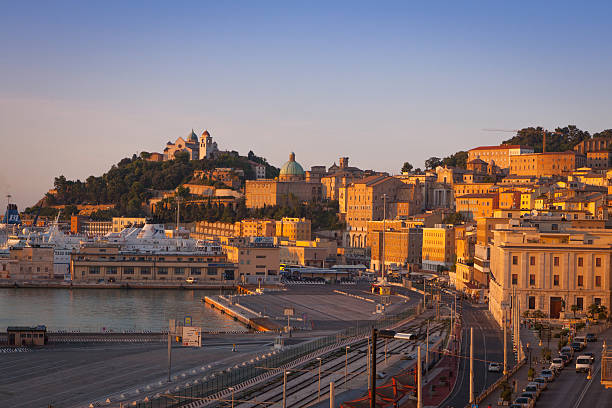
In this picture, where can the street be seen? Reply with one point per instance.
(488, 346)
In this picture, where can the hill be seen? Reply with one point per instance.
(131, 182)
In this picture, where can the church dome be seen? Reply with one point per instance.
(291, 168)
(192, 137)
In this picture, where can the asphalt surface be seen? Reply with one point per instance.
(572, 390)
(70, 376)
(488, 347)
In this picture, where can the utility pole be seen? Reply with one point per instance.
(331, 394)
(427, 350)
(505, 344)
(471, 365)
(346, 365)
(178, 211)
(319, 394)
(373, 370)
(285, 389)
(419, 390)
(169, 348)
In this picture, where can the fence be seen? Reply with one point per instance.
(220, 381)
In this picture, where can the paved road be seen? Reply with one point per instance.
(488, 346)
(573, 390)
(76, 375)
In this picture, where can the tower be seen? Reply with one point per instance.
(208, 148)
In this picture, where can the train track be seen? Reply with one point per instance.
(332, 365)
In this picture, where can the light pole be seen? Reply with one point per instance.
(285, 388)
(232, 390)
(346, 365)
(383, 236)
(319, 395)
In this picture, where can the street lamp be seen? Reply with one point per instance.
(529, 351)
(346, 365)
(285, 388)
(232, 390)
(319, 397)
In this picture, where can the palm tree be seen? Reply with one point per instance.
(574, 308)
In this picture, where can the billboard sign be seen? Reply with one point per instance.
(192, 337)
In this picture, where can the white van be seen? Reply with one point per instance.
(583, 364)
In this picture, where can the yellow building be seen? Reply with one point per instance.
(438, 251)
(474, 206)
(257, 258)
(319, 253)
(256, 228)
(500, 155)
(120, 223)
(546, 164)
(461, 189)
(294, 229)
(30, 263)
(402, 246)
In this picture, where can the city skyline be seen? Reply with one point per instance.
(89, 85)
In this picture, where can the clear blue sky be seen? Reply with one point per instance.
(85, 84)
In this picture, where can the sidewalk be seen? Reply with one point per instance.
(518, 380)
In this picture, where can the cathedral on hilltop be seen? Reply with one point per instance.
(204, 148)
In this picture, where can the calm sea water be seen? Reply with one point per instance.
(109, 309)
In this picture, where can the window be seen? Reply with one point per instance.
(179, 271)
(211, 271)
(580, 261)
(145, 270)
(598, 262)
(532, 279)
(94, 270)
(598, 281)
(531, 302)
(111, 270)
(555, 227)
(597, 301)
(532, 260)
(162, 271)
(580, 303)
(515, 260)
(555, 280)
(556, 261)
(128, 270)
(196, 271)
(514, 278)
(580, 280)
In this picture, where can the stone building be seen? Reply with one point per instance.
(402, 244)
(551, 265)
(546, 164)
(189, 145)
(291, 184)
(595, 144)
(30, 262)
(438, 248)
(499, 155)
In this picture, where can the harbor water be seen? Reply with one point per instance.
(98, 310)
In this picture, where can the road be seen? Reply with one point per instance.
(488, 346)
(573, 390)
(72, 375)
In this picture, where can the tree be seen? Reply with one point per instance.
(432, 163)
(453, 218)
(407, 167)
(574, 309)
(593, 309)
(458, 159)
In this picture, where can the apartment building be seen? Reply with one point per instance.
(474, 206)
(402, 246)
(438, 251)
(254, 257)
(500, 155)
(546, 164)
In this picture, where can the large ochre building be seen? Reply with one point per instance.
(291, 184)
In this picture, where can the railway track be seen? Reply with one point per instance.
(332, 369)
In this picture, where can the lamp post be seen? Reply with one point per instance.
(232, 390)
(319, 395)
(346, 365)
(285, 388)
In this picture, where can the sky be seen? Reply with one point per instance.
(85, 84)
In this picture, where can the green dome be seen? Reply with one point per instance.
(292, 168)
(192, 137)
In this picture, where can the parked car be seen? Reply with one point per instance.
(582, 340)
(566, 358)
(531, 395)
(495, 367)
(590, 337)
(557, 364)
(540, 386)
(577, 346)
(549, 375)
(542, 381)
(583, 364)
(523, 402)
(534, 389)
(567, 350)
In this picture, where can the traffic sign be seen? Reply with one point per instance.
(192, 337)
(187, 320)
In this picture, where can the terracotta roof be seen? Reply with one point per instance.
(500, 147)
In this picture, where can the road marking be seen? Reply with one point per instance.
(587, 386)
